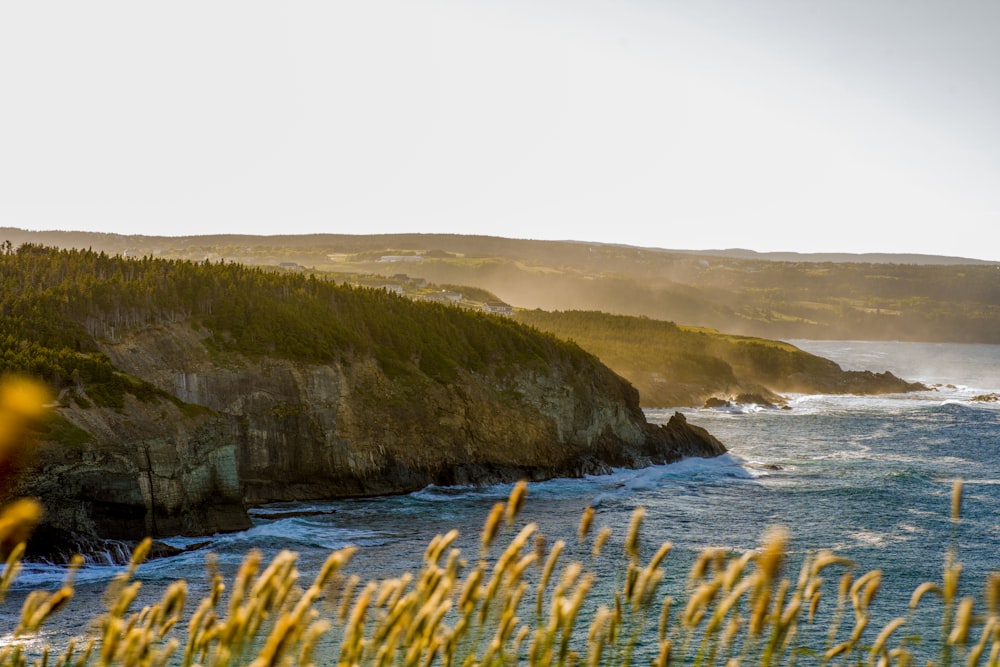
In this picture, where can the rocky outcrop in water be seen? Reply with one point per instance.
(247, 430)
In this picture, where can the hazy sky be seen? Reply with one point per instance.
(808, 125)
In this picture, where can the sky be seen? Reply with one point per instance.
(772, 125)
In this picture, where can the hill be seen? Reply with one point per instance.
(187, 391)
(883, 297)
(675, 365)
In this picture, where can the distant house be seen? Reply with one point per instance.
(443, 296)
(292, 266)
(395, 289)
(498, 307)
(401, 258)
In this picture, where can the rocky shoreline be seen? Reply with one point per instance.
(237, 432)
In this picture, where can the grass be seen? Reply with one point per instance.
(515, 602)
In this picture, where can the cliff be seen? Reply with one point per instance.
(151, 468)
(188, 391)
(676, 365)
(251, 429)
(333, 430)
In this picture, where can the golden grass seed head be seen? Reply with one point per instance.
(664, 622)
(631, 576)
(859, 627)
(600, 541)
(760, 604)
(844, 587)
(586, 519)
(699, 567)
(541, 548)
(814, 600)
(660, 554)
(992, 593)
(865, 588)
(515, 502)
(23, 404)
(956, 500)
(17, 520)
(729, 602)
(491, 526)
(522, 634)
(989, 632)
(471, 590)
(790, 614)
(347, 596)
(550, 564)
(698, 603)
(734, 570)
(952, 574)
(632, 538)
(570, 575)
(772, 552)
(832, 653)
(827, 558)
(878, 646)
(731, 630)
(663, 655)
(140, 554)
(963, 621)
(646, 588)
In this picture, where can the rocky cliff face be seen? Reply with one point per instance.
(151, 468)
(274, 429)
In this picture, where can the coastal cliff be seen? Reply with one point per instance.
(335, 430)
(189, 391)
(152, 468)
(248, 430)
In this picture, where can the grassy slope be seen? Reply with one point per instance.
(679, 365)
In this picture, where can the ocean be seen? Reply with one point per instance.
(869, 477)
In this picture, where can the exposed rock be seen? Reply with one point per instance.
(272, 430)
(754, 398)
(151, 469)
(852, 382)
(986, 398)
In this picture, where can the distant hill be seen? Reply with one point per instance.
(673, 365)
(843, 258)
(770, 295)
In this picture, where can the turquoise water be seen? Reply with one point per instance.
(870, 477)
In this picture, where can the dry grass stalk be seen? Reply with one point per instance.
(450, 614)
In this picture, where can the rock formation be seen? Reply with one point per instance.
(248, 430)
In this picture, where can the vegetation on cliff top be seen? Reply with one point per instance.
(885, 297)
(674, 365)
(56, 304)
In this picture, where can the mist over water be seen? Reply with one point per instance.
(870, 477)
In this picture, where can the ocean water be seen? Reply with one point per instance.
(869, 477)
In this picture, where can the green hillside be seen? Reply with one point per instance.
(674, 365)
(875, 297)
(55, 304)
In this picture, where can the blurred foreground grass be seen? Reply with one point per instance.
(518, 601)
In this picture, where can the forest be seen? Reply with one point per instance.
(56, 304)
(780, 296)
